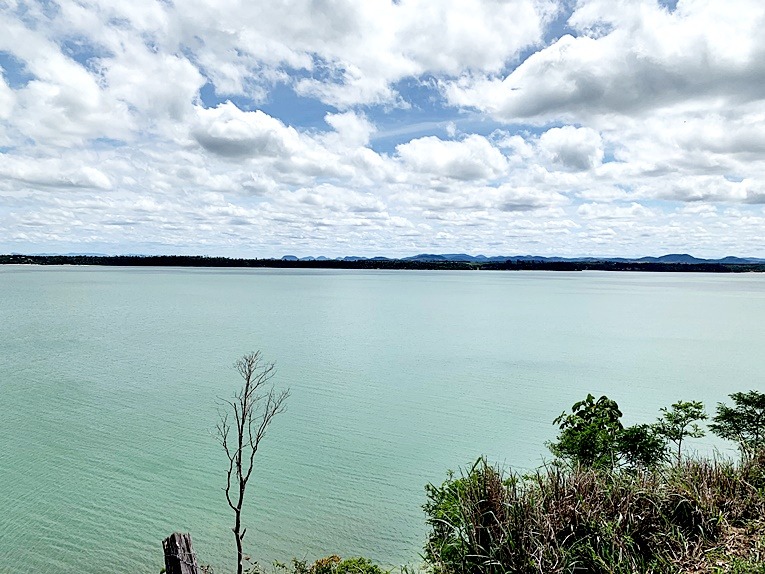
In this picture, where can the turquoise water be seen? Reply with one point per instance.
(109, 379)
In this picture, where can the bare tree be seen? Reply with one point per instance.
(252, 407)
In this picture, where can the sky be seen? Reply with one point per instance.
(379, 127)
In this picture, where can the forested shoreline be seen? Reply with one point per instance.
(383, 264)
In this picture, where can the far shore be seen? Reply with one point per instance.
(379, 263)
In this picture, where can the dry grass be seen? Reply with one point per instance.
(703, 516)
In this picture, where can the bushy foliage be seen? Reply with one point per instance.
(582, 519)
(326, 565)
(588, 435)
(680, 421)
(744, 423)
(467, 517)
(336, 565)
(641, 447)
(592, 435)
(615, 508)
(332, 564)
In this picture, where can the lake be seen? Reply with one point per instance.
(110, 379)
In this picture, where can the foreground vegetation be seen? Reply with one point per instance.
(698, 516)
(616, 500)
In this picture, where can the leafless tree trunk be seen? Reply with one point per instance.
(252, 407)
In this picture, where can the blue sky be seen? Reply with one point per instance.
(330, 127)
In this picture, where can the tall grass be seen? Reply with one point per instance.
(700, 516)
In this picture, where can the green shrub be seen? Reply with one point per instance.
(593, 436)
(358, 566)
(680, 422)
(744, 423)
(588, 435)
(335, 565)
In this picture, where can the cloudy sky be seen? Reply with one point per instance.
(379, 127)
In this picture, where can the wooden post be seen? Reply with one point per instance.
(180, 557)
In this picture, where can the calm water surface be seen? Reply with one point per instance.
(109, 379)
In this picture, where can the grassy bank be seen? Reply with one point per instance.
(698, 516)
(615, 500)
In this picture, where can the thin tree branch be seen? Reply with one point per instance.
(252, 409)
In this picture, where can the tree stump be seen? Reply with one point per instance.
(180, 557)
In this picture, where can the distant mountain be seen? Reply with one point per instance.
(462, 257)
(673, 258)
(67, 254)
(730, 260)
(425, 257)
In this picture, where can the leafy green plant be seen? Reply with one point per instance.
(469, 521)
(588, 435)
(326, 565)
(358, 565)
(593, 436)
(680, 421)
(744, 423)
(641, 446)
(335, 565)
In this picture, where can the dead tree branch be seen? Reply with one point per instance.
(242, 423)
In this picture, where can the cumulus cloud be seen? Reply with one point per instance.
(610, 211)
(7, 99)
(364, 48)
(230, 132)
(513, 198)
(53, 173)
(352, 129)
(631, 57)
(712, 189)
(573, 148)
(157, 85)
(473, 158)
(378, 126)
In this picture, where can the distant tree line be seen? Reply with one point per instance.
(508, 265)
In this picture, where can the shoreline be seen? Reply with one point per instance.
(377, 264)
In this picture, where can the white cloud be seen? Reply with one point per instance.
(7, 99)
(230, 132)
(160, 86)
(573, 148)
(640, 129)
(632, 57)
(352, 129)
(460, 35)
(473, 158)
(709, 189)
(63, 103)
(52, 173)
(363, 48)
(611, 211)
